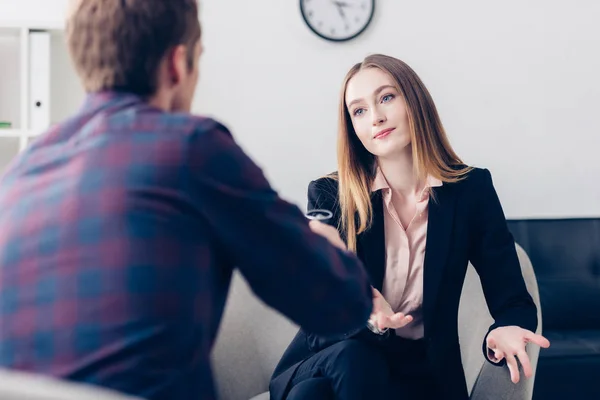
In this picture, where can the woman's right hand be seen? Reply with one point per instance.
(384, 317)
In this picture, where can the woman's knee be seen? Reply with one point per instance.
(356, 352)
(354, 359)
(358, 370)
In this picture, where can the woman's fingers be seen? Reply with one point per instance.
(491, 343)
(513, 367)
(382, 321)
(499, 355)
(399, 320)
(537, 339)
(393, 321)
(525, 363)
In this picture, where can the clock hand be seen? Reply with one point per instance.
(343, 4)
(340, 6)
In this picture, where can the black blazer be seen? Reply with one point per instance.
(466, 223)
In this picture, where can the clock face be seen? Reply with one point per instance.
(337, 20)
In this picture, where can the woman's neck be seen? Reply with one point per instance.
(399, 173)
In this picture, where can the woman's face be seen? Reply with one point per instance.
(378, 112)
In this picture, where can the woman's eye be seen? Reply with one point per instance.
(387, 98)
(358, 112)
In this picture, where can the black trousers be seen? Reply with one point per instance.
(354, 370)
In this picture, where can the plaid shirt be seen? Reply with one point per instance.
(119, 231)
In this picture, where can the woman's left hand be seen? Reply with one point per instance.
(508, 342)
(383, 315)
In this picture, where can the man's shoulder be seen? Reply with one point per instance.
(137, 118)
(197, 124)
(184, 124)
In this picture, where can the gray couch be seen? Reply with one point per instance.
(566, 256)
(253, 337)
(17, 385)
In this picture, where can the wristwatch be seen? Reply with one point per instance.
(373, 328)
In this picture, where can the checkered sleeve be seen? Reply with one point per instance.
(323, 289)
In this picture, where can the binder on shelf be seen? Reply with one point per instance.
(39, 80)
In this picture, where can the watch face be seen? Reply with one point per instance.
(337, 20)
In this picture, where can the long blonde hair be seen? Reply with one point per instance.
(431, 150)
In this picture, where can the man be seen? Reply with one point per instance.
(120, 227)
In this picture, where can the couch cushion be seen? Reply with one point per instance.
(565, 254)
(572, 344)
(561, 375)
(263, 396)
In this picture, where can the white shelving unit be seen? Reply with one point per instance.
(38, 86)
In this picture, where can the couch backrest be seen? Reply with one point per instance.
(566, 256)
(252, 339)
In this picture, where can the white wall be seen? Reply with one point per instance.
(39, 11)
(517, 85)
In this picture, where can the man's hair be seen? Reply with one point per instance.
(119, 44)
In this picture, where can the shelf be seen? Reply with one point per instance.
(65, 91)
(10, 76)
(35, 67)
(17, 25)
(17, 133)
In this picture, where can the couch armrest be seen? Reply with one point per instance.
(484, 380)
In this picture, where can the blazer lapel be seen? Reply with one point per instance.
(439, 235)
(371, 244)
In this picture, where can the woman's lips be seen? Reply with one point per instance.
(383, 133)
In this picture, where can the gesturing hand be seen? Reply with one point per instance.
(384, 317)
(508, 342)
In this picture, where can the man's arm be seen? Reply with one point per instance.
(295, 271)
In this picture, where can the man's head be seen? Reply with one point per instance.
(146, 47)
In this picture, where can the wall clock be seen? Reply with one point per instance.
(337, 20)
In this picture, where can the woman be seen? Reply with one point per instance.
(416, 216)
